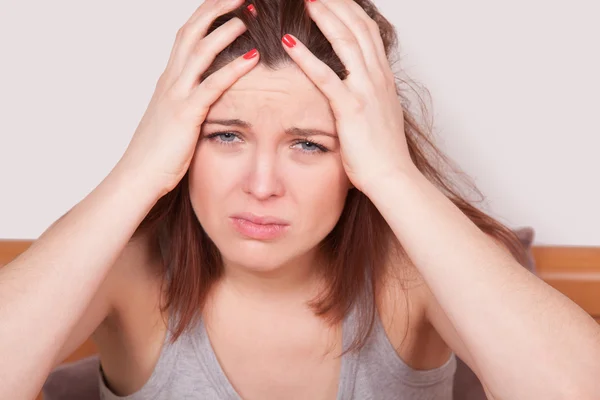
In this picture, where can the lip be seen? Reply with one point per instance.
(259, 227)
(261, 220)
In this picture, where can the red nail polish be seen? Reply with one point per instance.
(251, 54)
(311, 1)
(252, 9)
(288, 41)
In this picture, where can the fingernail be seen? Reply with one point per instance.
(252, 9)
(288, 41)
(311, 1)
(251, 54)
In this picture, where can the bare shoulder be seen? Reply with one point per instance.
(131, 278)
(403, 304)
(134, 287)
(136, 275)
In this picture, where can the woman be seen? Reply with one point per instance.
(277, 228)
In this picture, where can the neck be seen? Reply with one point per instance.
(296, 281)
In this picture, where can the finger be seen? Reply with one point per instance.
(206, 51)
(366, 31)
(359, 28)
(342, 40)
(377, 40)
(195, 29)
(320, 73)
(209, 91)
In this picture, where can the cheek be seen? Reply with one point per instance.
(208, 183)
(323, 195)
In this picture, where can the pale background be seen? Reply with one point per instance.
(515, 86)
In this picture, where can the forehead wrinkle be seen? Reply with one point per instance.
(234, 89)
(285, 98)
(264, 114)
(271, 102)
(288, 80)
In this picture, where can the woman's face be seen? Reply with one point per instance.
(253, 160)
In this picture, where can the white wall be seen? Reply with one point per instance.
(515, 85)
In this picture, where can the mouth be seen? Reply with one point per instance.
(259, 227)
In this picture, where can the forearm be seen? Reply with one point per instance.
(511, 321)
(45, 291)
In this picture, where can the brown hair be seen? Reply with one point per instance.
(360, 244)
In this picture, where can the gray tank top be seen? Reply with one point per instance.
(188, 369)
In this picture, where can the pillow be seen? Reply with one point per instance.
(526, 235)
(74, 381)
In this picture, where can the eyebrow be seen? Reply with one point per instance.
(290, 131)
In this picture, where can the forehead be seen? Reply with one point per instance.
(286, 96)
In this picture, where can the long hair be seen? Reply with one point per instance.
(359, 246)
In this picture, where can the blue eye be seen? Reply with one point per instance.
(227, 137)
(311, 147)
(223, 137)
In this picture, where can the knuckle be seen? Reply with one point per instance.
(347, 40)
(163, 82)
(210, 84)
(160, 84)
(321, 75)
(182, 32)
(171, 96)
(357, 105)
(237, 24)
(374, 26)
(379, 78)
(362, 26)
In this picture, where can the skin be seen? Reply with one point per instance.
(268, 172)
(266, 284)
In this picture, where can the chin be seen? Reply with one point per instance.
(255, 256)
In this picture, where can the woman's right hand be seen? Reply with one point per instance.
(163, 144)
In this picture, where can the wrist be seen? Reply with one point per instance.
(134, 186)
(397, 179)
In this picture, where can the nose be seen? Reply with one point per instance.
(263, 180)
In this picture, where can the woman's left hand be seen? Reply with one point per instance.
(369, 115)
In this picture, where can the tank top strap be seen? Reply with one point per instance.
(350, 359)
(210, 364)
